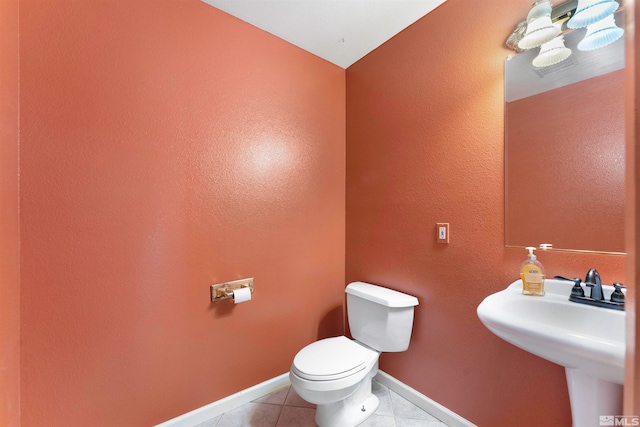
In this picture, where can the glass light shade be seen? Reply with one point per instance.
(601, 34)
(539, 31)
(551, 53)
(591, 11)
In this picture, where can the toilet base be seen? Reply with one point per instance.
(351, 411)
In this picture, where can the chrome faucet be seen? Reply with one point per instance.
(593, 281)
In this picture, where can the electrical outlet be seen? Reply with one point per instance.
(442, 229)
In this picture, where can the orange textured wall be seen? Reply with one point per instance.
(632, 219)
(425, 145)
(167, 146)
(9, 216)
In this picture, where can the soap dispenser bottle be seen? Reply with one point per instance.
(532, 275)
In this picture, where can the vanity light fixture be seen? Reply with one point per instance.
(540, 29)
(591, 11)
(601, 34)
(545, 26)
(551, 53)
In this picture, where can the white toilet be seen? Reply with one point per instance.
(336, 373)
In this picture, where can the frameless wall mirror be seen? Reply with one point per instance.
(565, 149)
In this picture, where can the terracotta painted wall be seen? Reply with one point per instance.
(632, 220)
(425, 145)
(167, 146)
(9, 216)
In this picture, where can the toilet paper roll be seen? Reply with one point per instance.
(241, 295)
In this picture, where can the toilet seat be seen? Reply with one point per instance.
(332, 359)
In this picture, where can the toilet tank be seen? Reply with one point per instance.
(379, 317)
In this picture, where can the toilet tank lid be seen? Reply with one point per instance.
(380, 295)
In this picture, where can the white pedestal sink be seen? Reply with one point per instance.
(588, 341)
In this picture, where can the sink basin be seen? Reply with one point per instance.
(573, 335)
(588, 341)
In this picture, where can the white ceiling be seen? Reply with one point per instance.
(340, 31)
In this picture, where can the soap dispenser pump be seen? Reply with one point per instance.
(532, 275)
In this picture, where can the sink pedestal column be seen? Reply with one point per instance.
(591, 398)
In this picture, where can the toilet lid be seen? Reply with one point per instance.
(330, 359)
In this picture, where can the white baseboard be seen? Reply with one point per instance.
(228, 403)
(445, 415)
(250, 394)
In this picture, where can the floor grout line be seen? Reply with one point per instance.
(394, 407)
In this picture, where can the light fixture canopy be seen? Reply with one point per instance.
(591, 11)
(552, 53)
(540, 29)
(601, 34)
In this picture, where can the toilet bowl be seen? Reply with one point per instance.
(335, 373)
(330, 371)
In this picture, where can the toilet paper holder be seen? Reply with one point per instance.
(222, 291)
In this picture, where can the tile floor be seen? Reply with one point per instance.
(284, 408)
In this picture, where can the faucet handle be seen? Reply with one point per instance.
(577, 289)
(617, 295)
